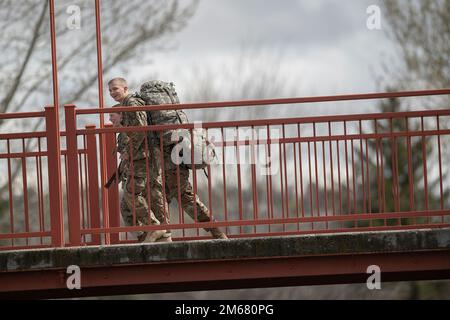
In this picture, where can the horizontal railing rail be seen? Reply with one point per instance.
(275, 176)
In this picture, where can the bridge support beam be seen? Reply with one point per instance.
(270, 262)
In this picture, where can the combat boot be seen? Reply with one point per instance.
(165, 238)
(154, 236)
(217, 234)
(142, 236)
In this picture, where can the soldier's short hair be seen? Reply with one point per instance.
(122, 81)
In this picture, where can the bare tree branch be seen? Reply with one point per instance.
(12, 91)
(27, 65)
(421, 31)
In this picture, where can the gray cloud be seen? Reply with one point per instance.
(305, 24)
(322, 44)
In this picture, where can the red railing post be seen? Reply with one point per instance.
(94, 198)
(103, 155)
(73, 184)
(113, 191)
(54, 177)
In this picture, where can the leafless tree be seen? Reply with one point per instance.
(131, 32)
(421, 33)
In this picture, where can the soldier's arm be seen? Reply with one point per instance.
(122, 142)
(135, 119)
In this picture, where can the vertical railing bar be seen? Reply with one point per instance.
(363, 180)
(66, 170)
(269, 141)
(83, 212)
(88, 198)
(346, 167)
(163, 179)
(369, 191)
(194, 178)
(316, 170)
(339, 176)
(301, 171)
(225, 209)
(285, 175)
(325, 183)
(296, 185)
(40, 190)
(147, 180)
(397, 176)
(112, 216)
(310, 184)
(54, 143)
(383, 182)
(25, 190)
(54, 174)
(238, 168)
(410, 168)
(94, 195)
(11, 199)
(267, 168)
(393, 160)
(283, 206)
(270, 175)
(180, 207)
(377, 147)
(353, 204)
(132, 182)
(331, 167)
(254, 181)
(425, 171)
(210, 202)
(72, 178)
(38, 195)
(102, 148)
(441, 189)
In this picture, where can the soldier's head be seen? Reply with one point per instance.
(118, 89)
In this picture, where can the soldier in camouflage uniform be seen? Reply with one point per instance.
(173, 190)
(158, 92)
(132, 149)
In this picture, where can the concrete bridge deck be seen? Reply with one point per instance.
(221, 264)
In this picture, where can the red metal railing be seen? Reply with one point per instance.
(274, 177)
(26, 221)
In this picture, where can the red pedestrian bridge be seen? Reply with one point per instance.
(304, 200)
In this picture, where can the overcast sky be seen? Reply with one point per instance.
(324, 45)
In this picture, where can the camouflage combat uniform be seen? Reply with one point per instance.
(135, 169)
(173, 190)
(158, 92)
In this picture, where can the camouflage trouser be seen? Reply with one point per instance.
(173, 190)
(135, 196)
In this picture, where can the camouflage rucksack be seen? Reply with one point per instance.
(159, 92)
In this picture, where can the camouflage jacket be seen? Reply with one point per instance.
(136, 139)
(122, 140)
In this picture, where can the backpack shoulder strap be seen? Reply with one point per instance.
(172, 99)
